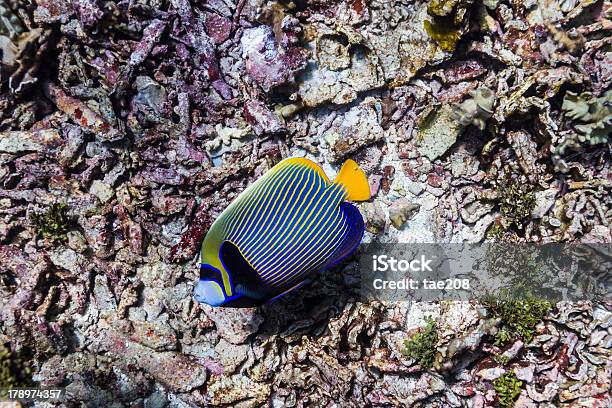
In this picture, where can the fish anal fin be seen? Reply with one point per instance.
(354, 181)
(291, 289)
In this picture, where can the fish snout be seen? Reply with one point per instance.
(209, 292)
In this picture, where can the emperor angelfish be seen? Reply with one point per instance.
(289, 224)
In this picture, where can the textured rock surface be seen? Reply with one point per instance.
(147, 118)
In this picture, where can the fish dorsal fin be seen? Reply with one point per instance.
(354, 181)
(353, 238)
(301, 161)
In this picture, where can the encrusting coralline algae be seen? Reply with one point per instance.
(127, 127)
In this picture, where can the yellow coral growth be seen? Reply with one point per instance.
(446, 36)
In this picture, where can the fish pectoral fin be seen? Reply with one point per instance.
(253, 292)
(354, 181)
(291, 289)
(356, 228)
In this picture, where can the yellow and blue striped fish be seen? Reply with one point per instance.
(287, 225)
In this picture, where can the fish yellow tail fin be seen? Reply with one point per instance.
(354, 181)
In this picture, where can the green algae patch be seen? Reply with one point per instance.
(54, 223)
(422, 346)
(508, 389)
(516, 202)
(518, 315)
